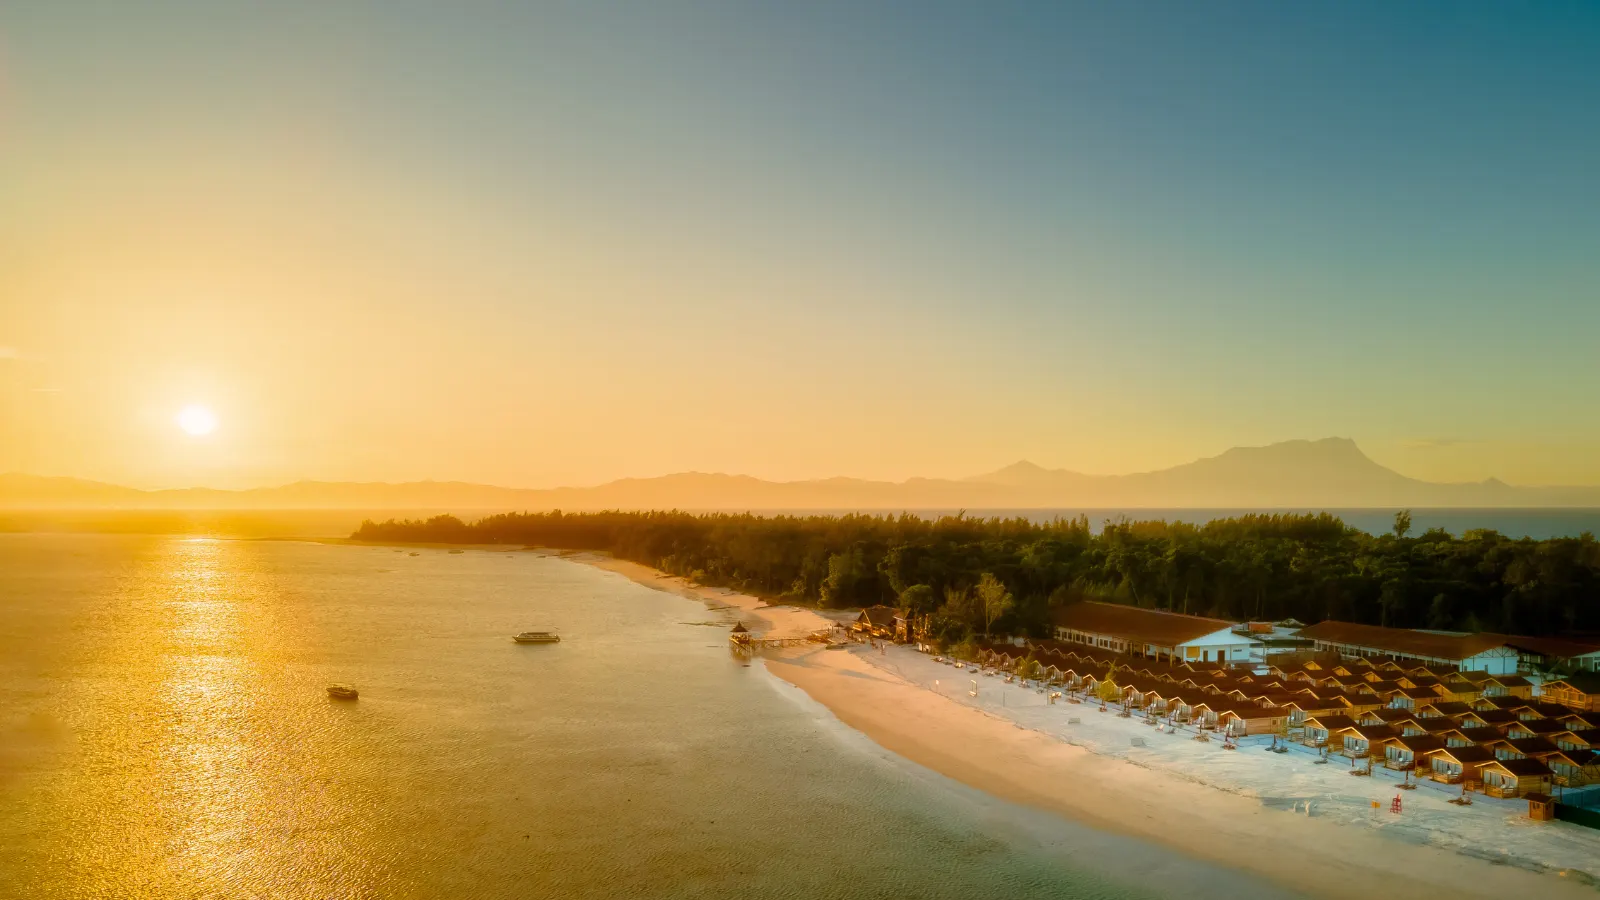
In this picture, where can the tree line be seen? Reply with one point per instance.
(971, 575)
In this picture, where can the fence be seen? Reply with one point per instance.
(1588, 818)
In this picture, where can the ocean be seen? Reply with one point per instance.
(164, 732)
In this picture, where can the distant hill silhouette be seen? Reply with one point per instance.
(1328, 473)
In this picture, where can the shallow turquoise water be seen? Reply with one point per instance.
(164, 733)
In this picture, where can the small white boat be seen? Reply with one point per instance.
(536, 637)
(342, 692)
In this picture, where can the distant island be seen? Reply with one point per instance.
(962, 576)
(1329, 473)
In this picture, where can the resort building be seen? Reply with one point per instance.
(877, 621)
(1542, 654)
(1147, 632)
(1466, 652)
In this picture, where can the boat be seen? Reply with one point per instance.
(416, 554)
(342, 692)
(458, 551)
(536, 637)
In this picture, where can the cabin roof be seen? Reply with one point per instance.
(1474, 754)
(1584, 683)
(1419, 743)
(878, 616)
(1520, 767)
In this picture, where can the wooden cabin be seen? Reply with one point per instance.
(1508, 686)
(1409, 698)
(1515, 777)
(1385, 716)
(1249, 718)
(1437, 726)
(1534, 728)
(1361, 741)
(877, 621)
(1458, 765)
(1578, 739)
(1576, 692)
(1574, 768)
(1320, 729)
(1482, 735)
(1403, 752)
(1450, 708)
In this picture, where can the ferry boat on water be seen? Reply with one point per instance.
(342, 692)
(536, 637)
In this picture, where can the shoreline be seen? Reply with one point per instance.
(1006, 759)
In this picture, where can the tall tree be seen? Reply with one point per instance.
(994, 600)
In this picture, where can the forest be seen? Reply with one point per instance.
(972, 575)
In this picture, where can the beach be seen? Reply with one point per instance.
(1309, 828)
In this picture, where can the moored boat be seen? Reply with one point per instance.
(536, 637)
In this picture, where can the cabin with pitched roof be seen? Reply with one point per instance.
(877, 621)
(1359, 741)
(1576, 692)
(1515, 777)
(1404, 752)
(1457, 765)
(1574, 768)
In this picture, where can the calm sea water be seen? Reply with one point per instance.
(164, 733)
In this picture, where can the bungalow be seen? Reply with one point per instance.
(1531, 747)
(1403, 752)
(1508, 686)
(1578, 739)
(1456, 765)
(1579, 721)
(1482, 652)
(1385, 716)
(1442, 708)
(1492, 718)
(877, 621)
(1320, 729)
(1574, 768)
(1410, 697)
(1534, 728)
(1577, 692)
(1437, 726)
(1515, 777)
(1147, 632)
(1360, 741)
(1479, 735)
(1248, 718)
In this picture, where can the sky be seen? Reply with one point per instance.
(545, 244)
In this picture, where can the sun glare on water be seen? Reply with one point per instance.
(197, 420)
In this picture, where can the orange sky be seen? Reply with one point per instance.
(570, 247)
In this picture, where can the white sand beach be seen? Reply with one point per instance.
(1309, 827)
(766, 620)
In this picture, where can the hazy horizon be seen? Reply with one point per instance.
(559, 245)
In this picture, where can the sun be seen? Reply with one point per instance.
(197, 420)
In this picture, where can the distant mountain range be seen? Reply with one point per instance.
(1329, 473)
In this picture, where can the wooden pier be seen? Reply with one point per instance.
(742, 639)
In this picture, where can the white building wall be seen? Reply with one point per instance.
(1222, 645)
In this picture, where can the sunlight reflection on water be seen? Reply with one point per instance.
(164, 732)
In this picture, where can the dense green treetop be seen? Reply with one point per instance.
(1003, 575)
